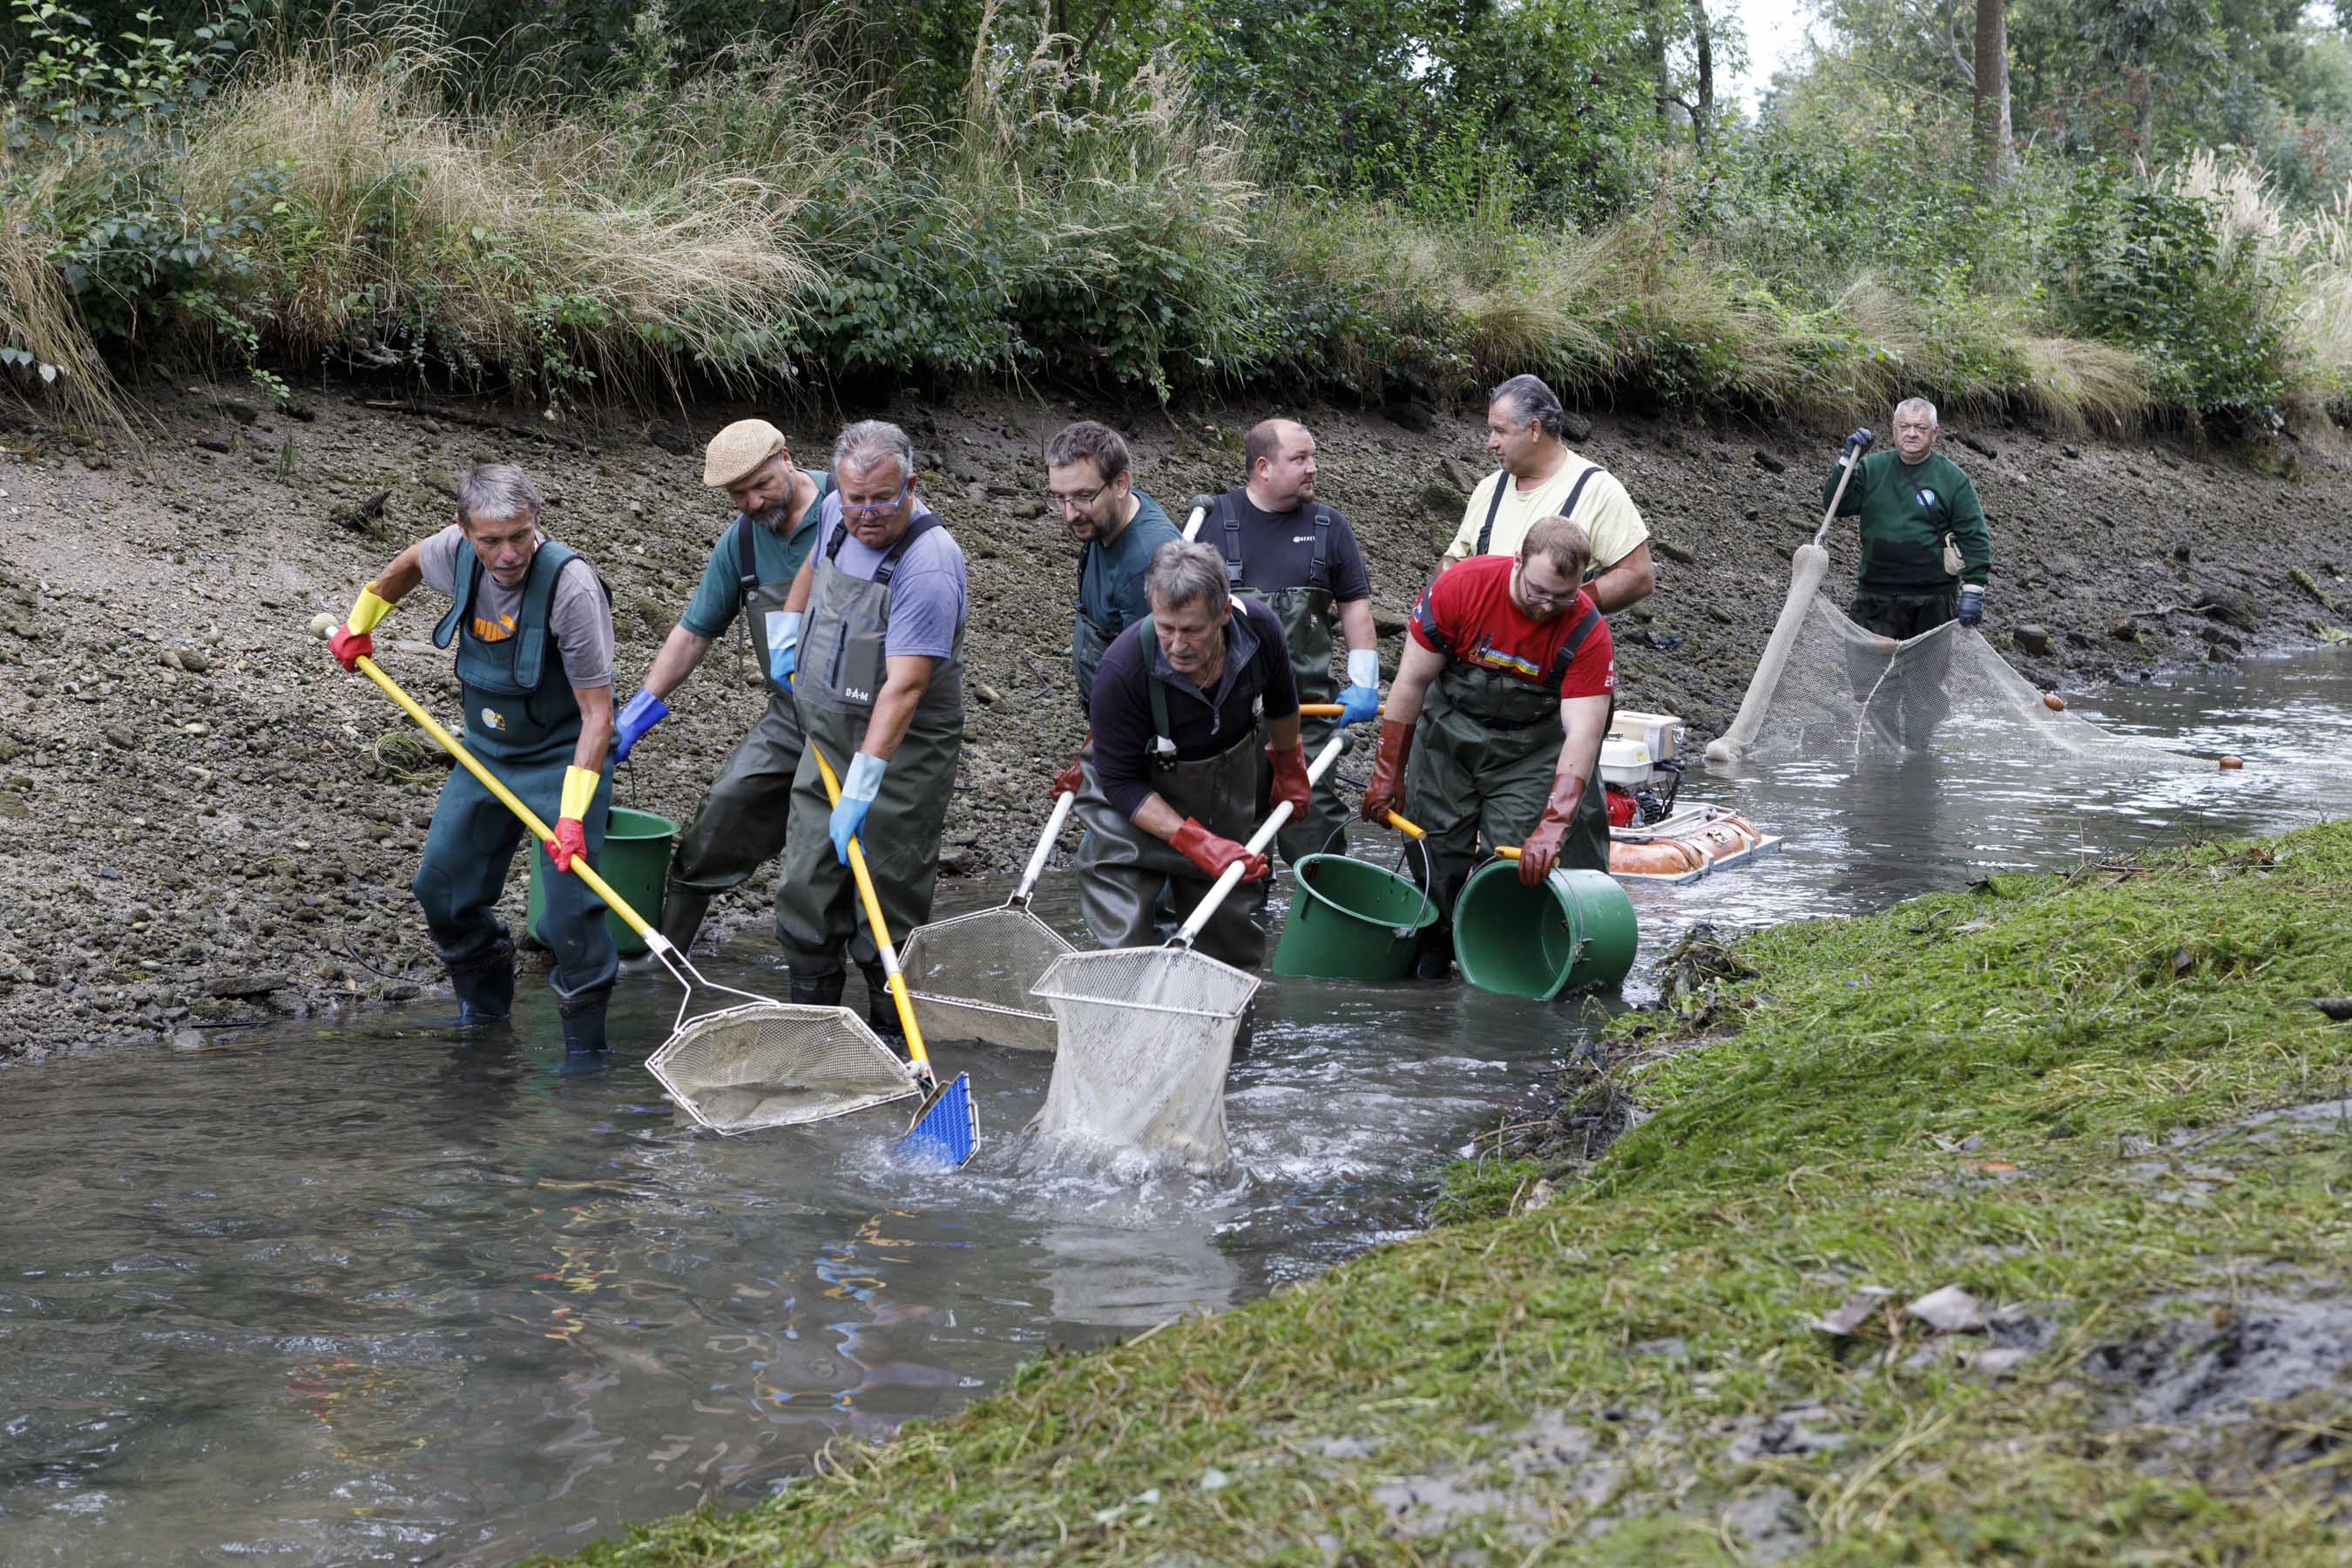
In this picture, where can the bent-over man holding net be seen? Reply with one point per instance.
(1507, 745)
(1171, 784)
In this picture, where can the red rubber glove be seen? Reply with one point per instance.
(571, 838)
(1542, 848)
(1213, 854)
(1072, 779)
(1291, 782)
(1386, 792)
(349, 647)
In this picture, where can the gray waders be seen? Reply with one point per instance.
(841, 670)
(1128, 880)
(741, 824)
(1484, 757)
(524, 721)
(1306, 615)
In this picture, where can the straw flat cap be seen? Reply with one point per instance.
(735, 451)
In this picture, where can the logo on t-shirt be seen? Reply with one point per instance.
(494, 631)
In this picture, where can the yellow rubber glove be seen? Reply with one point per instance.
(367, 610)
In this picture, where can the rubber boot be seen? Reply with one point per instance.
(584, 1021)
(682, 912)
(484, 982)
(822, 992)
(1433, 959)
(881, 1007)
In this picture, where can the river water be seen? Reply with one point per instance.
(354, 1293)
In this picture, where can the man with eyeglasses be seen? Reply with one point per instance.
(873, 648)
(1299, 557)
(1507, 746)
(739, 825)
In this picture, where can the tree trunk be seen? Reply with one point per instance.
(1661, 74)
(1703, 116)
(1991, 119)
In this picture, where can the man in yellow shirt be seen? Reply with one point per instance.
(1541, 478)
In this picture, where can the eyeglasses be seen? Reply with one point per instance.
(873, 508)
(1535, 596)
(1077, 502)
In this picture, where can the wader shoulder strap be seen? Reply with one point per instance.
(889, 567)
(1146, 643)
(747, 560)
(1567, 654)
(466, 576)
(1566, 509)
(1320, 565)
(1230, 515)
(538, 609)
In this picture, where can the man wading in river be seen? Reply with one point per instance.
(1509, 742)
(1090, 479)
(1173, 777)
(1927, 555)
(1299, 556)
(740, 822)
(1541, 478)
(877, 673)
(532, 623)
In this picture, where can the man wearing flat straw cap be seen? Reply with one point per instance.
(741, 824)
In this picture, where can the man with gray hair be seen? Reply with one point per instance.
(1927, 555)
(739, 825)
(532, 623)
(1172, 782)
(875, 660)
(1541, 478)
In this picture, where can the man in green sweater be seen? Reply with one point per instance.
(1926, 556)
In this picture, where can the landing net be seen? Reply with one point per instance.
(772, 1064)
(1828, 688)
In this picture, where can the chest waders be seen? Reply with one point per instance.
(1126, 875)
(522, 719)
(841, 672)
(1483, 760)
(1305, 612)
(739, 825)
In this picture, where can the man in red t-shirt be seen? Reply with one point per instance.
(1509, 743)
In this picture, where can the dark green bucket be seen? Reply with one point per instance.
(1574, 931)
(635, 861)
(1350, 920)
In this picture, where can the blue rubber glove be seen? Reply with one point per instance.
(638, 714)
(1971, 605)
(857, 793)
(1360, 698)
(783, 644)
(1858, 443)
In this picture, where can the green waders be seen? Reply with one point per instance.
(1088, 643)
(1906, 707)
(1129, 880)
(1484, 758)
(741, 824)
(1306, 614)
(842, 667)
(522, 721)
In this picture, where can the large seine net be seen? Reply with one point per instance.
(1147, 1036)
(970, 977)
(1826, 687)
(774, 1065)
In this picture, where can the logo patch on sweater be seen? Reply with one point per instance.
(493, 720)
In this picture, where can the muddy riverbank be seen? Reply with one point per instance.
(207, 825)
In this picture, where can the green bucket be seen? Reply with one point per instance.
(1350, 920)
(635, 861)
(1572, 932)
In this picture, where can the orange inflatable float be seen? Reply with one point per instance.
(1687, 845)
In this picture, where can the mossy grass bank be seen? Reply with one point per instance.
(2093, 1102)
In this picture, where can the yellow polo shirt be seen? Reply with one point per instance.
(1604, 508)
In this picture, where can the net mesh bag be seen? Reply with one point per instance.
(774, 1065)
(1147, 1036)
(970, 977)
(1826, 686)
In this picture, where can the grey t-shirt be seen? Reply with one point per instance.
(926, 591)
(581, 619)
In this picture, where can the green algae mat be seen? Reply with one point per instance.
(2006, 1224)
